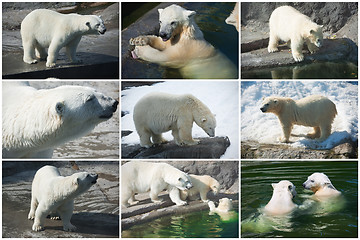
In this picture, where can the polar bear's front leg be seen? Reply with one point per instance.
(53, 53)
(296, 48)
(273, 43)
(185, 135)
(174, 194)
(33, 206)
(286, 131)
(151, 40)
(66, 211)
(150, 54)
(71, 50)
(40, 215)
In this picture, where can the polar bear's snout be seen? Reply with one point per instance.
(94, 177)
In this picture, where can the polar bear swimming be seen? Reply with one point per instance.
(321, 185)
(281, 201)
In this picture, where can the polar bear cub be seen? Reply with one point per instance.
(201, 184)
(225, 205)
(312, 111)
(157, 112)
(51, 192)
(281, 200)
(288, 24)
(43, 28)
(141, 177)
(321, 185)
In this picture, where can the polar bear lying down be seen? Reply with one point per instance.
(281, 200)
(141, 177)
(51, 192)
(34, 122)
(181, 44)
(44, 28)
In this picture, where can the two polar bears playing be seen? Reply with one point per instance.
(44, 28)
(156, 113)
(52, 193)
(312, 111)
(141, 177)
(289, 25)
(181, 44)
(283, 193)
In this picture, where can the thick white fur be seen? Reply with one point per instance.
(201, 184)
(281, 200)
(182, 45)
(44, 28)
(51, 192)
(225, 205)
(156, 113)
(312, 111)
(34, 122)
(321, 185)
(141, 177)
(233, 19)
(288, 24)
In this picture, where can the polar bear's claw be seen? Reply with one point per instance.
(37, 228)
(139, 41)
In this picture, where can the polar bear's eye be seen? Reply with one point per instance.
(312, 181)
(173, 23)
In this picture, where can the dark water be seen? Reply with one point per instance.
(333, 218)
(324, 70)
(194, 225)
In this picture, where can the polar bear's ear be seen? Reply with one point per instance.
(203, 119)
(75, 181)
(60, 107)
(160, 10)
(273, 185)
(88, 24)
(189, 13)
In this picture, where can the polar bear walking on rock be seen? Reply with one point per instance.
(141, 177)
(312, 111)
(281, 200)
(181, 44)
(157, 112)
(44, 28)
(34, 122)
(288, 24)
(51, 192)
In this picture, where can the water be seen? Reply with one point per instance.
(198, 224)
(319, 70)
(333, 218)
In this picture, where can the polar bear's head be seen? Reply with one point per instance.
(208, 124)
(214, 186)
(83, 181)
(177, 178)
(225, 205)
(172, 19)
(284, 187)
(271, 104)
(93, 25)
(315, 36)
(317, 181)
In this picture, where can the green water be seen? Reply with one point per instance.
(194, 225)
(334, 218)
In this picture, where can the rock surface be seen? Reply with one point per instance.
(96, 212)
(207, 148)
(255, 150)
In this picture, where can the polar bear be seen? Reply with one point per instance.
(44, 28)
(158, 112)
(201, 184)
(225, 205)
(34, 122)
(181, 44)
(281, 200)
(288, 24)
(312, 111)
(233, 19)
(141, 177)
(51, 192)
(321, 185)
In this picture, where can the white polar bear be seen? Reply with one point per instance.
(201, 184)
(34, 122)
(141, 177)
(281, 200)
(51, 192)
(44, 28)
(313, 111)
(321, 185)
(181, 44)
(233, 19)
(157, 112)
(288, 24)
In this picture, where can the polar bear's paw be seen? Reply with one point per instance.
(50, 65)
(37, 228)
(272, 49)
(30, 61)
(181, 203)
(298, 57)
(69, 228)
(139, 41)
(31, 216)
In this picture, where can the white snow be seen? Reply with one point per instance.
(222, 98)
(265, 127)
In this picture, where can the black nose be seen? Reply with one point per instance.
(114, 106)
(303, 184)
(262, 109)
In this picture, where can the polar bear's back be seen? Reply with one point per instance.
(315, 109)
(42, 180)
(158, 111)
(285, 21)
